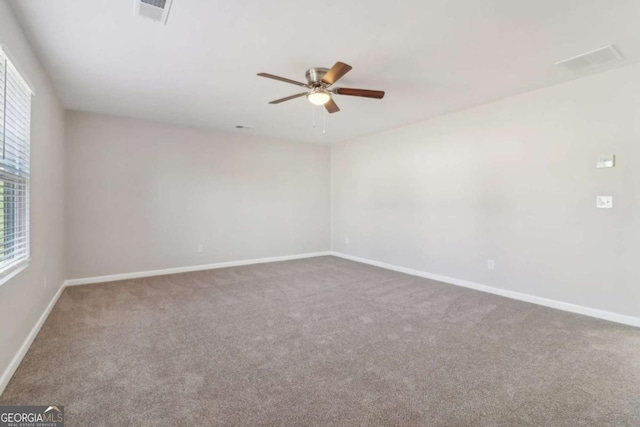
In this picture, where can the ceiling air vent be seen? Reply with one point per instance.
(156, 10)
(594, 59)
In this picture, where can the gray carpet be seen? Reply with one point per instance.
(323, 341)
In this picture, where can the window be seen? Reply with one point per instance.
(15, 123)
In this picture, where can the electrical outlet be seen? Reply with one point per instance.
(200, 248)
(45, 281)
(491, 264)
(346, 241)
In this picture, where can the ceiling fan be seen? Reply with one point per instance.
(319, 81)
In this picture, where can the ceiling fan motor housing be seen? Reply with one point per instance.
(314, 75)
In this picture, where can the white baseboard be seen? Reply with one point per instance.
(15, 362)
(136, 275)
(560, 305)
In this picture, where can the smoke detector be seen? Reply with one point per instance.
(593, 59)
(156, 10)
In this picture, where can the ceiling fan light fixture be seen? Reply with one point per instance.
(318, 96)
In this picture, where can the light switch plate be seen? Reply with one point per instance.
(606, 161)
(604, 202)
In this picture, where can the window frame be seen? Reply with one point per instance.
(13, 269)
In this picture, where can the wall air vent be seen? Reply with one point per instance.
(593, 59)
(156, 10)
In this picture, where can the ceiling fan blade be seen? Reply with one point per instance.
(282, 79)
(278, 101)
(331, 106)
(377, 94)
(335, 73)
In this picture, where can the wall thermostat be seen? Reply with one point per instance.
(606, 161)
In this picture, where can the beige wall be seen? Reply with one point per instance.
(24, 298)
(142, 196)
(513, 181)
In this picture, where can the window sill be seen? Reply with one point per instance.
(14, 271)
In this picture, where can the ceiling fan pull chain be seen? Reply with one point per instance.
(313, 115)
(324, 122)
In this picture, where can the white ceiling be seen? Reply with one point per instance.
(430, 56)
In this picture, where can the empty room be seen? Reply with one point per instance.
(350, 213)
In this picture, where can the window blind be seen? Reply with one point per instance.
(15, 132)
